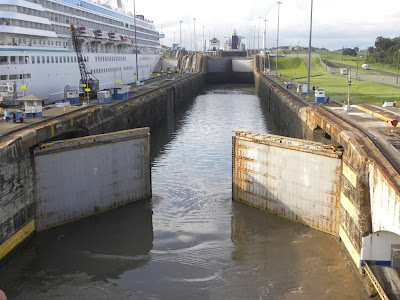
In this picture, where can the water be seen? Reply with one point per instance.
(190, 241)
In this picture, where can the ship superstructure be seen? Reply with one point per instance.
(234, 43)
(36, 50)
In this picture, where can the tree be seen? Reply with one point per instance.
(350, 52)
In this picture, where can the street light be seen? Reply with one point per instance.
(258, 37)
(398, 54)
(180, 34)
(136, 50)
(309, 54)
(347, 107)
(277, 39)
(203, 42)
(194, 33)
(265, 35)
(254, 37)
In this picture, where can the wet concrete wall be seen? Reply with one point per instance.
(78, 177)
(17, 193)
(293, 178)
(369, 190)
(232, 70)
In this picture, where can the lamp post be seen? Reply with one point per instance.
(160, 31)
(203, 42)
(326, 61)
(265, 34)
(254, 37)
(277, 40)
(194, 33)
(309, 54)
(136, 50)
(258, 35)
(180, 34)
(398, 54)
(347, 107)
(357, 66)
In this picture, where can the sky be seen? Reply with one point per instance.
(336, 23)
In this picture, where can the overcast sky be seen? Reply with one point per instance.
(336, 23)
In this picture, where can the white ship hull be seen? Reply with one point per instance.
(49, 79)
(36, 51)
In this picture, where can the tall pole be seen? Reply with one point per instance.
(136, 50)
(194, 33)
(265, 35)
(161, 38)
(174, 37)
(209, 43)
(254, 37)
(398, 54)
(258, 37)
(326, 61)
(180, 34)
(347, 107)
(204, 43)
(309, 54)
(277, 41)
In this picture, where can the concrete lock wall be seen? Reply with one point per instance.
(77, 177)
(369, 190)
(17, 202)
(293, 178)
(223, 70)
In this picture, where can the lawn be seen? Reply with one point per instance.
(336, 86)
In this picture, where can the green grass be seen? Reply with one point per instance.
(335, 86)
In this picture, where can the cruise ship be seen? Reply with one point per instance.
(37, 52)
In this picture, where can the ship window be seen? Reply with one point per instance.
(60, 59)
(42, 59)
(68, 59)
(13, 77)
(75, 59)
(48, 59)
(3, 60)
(38, 59)
(3, 77)
(27, 75)
(33, 59)
(52, 59)
(40, 42)
(56, 59)
(64, 59)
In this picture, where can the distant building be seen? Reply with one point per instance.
(214, 44)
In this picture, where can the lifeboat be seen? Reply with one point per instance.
(113, 37)
(101, 36)
(84, 33)
(126, 41)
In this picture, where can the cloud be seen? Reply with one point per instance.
(339, 22)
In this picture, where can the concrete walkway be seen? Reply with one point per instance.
(51, 111)
(374, 121)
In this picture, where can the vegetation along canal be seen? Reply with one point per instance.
(190, 241)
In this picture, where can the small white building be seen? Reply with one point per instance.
(214, 44)
(33, 105)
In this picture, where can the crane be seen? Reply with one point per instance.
(90, 84)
